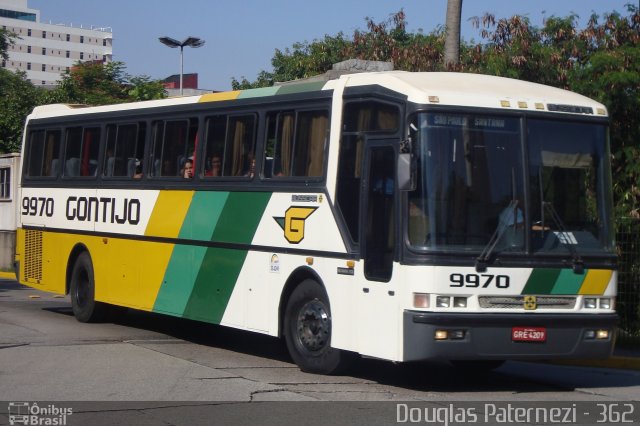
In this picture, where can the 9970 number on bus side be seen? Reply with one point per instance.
(479, 280)
(37, 206)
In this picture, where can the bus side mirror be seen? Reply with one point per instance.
(406, 172)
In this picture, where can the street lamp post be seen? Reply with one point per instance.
(173, 43)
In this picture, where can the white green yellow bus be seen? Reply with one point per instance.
(396, 215)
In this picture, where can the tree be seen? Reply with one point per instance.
(17, 98)
(452, 31)
(92, 83)
(143, 88)
(6, 40)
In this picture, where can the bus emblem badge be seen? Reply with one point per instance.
(530, 303)
(293, 222)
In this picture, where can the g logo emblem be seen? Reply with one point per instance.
(293, 222)
(530, 303)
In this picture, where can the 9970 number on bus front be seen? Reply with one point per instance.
(478, 280)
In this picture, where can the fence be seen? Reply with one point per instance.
(628, 301)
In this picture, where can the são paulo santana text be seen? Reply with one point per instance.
(508, 414)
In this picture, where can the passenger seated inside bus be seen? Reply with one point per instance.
(187, 169)
(215, 166)
(250, 169)
(137, 174)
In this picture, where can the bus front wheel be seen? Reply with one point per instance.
(82, 291)
(307, 331)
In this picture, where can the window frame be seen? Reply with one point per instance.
(84, 128)
(204, 152)
(5, 184)
(296, 110)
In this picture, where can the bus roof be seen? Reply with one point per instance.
(441, 88)
(476, 90)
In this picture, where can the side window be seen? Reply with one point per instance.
(359, 117)
(230, 146)
(311, 135)
(370, 116)
(349, 180)
(43, 154)
(280, 130)
(216, 128)
(82, 146)
(5, 183)
(296, 143)
(173, 150)
(124, 150)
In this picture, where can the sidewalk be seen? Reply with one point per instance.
(623, 358)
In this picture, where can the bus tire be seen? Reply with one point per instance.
(307, 331)
(82, 291)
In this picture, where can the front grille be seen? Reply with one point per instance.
(517, 302)
(33, 256)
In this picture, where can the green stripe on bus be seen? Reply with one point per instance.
(240, 218)
(256, 93)
(220, 267)
(179, 279)
(568, 282)
(181, 274)
(541, 281)
(202, 217)
(302, 87)
(214, 285)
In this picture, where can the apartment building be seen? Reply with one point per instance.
(46, 50)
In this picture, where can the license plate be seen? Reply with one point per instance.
(529, 334)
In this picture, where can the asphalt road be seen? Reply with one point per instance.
(152, 369)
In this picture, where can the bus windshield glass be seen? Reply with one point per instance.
(471, 191)
(570, 186)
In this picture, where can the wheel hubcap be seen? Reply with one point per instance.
(313, 325)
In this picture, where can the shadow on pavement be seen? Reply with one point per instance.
(433, 377)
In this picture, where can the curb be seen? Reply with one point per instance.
(7, 276)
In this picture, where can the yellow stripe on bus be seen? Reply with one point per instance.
(169, 213)
(596, 281)
(222, 96)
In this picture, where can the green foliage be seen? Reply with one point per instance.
(601, 61)
(17, 98)
(6, 40)
(94, 83)
(142, 88)
(88, 83)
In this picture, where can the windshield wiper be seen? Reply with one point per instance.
(485, 256)
(578, 264)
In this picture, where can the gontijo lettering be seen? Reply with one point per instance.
(103, 209)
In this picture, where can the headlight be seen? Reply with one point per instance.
(590, 302)
(605, 303)
(443, 301)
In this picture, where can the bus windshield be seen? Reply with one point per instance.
(471, 187)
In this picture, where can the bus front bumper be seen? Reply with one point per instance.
(490, 336)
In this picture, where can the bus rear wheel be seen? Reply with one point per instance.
(307, 331)
(82, 291)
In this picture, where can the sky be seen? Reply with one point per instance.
(242, 35)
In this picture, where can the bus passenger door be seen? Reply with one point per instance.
(379, 229)
(378, 303)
